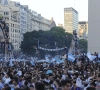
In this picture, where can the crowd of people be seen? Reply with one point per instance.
(79, 75)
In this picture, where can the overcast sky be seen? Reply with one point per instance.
(55, 8)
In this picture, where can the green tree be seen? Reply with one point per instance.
(83, 45)
(46, 39)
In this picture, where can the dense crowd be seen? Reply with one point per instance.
(79, 75)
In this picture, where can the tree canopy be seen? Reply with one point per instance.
(83, 45)
(46, 39)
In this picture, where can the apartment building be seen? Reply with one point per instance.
(70, 20)
(82, 29)
(21, 19)
(11, 16)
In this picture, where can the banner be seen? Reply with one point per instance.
(57, 49)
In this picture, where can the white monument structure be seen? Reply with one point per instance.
(94, 26)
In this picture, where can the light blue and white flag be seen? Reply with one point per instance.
(71, 57)
(57, 59)
(91, 57)
(47, 59)
(32, 63)
(98, 55)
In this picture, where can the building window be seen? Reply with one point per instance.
(7, 24)
(11, 29)
(13, 40)
(6, 13)
(7, 18)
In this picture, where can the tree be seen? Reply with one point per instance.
(83, 45)
(47, 39)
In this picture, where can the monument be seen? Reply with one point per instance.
(94, 26)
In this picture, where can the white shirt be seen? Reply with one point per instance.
(89, 79)
(79, 82)
(63, 77)
(23, 82)
(7, 80)
(19, 73)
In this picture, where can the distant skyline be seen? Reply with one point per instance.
(55, 8)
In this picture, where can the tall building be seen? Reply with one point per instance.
(70, 20)
(94, 26)
(21, 19)
(82, 29)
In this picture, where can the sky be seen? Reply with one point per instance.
(55, 8)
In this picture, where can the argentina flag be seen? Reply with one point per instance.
(91, 57)
(71, 57)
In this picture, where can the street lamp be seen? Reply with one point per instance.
(67, 39)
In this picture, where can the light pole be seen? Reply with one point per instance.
(67, 39)
(37, 48)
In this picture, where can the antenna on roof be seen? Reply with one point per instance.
(74, 4)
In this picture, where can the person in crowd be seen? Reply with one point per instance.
(66, 85)
(75, 87)
(82, 74)
(39, 86)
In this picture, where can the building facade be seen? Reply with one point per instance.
(21, 19)
(11, 16)
(70, 20)
(94, 26)
(82, 29)
(60, 25)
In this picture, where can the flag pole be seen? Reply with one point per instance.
(74, 4)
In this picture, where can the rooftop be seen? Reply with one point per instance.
(70, 9)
